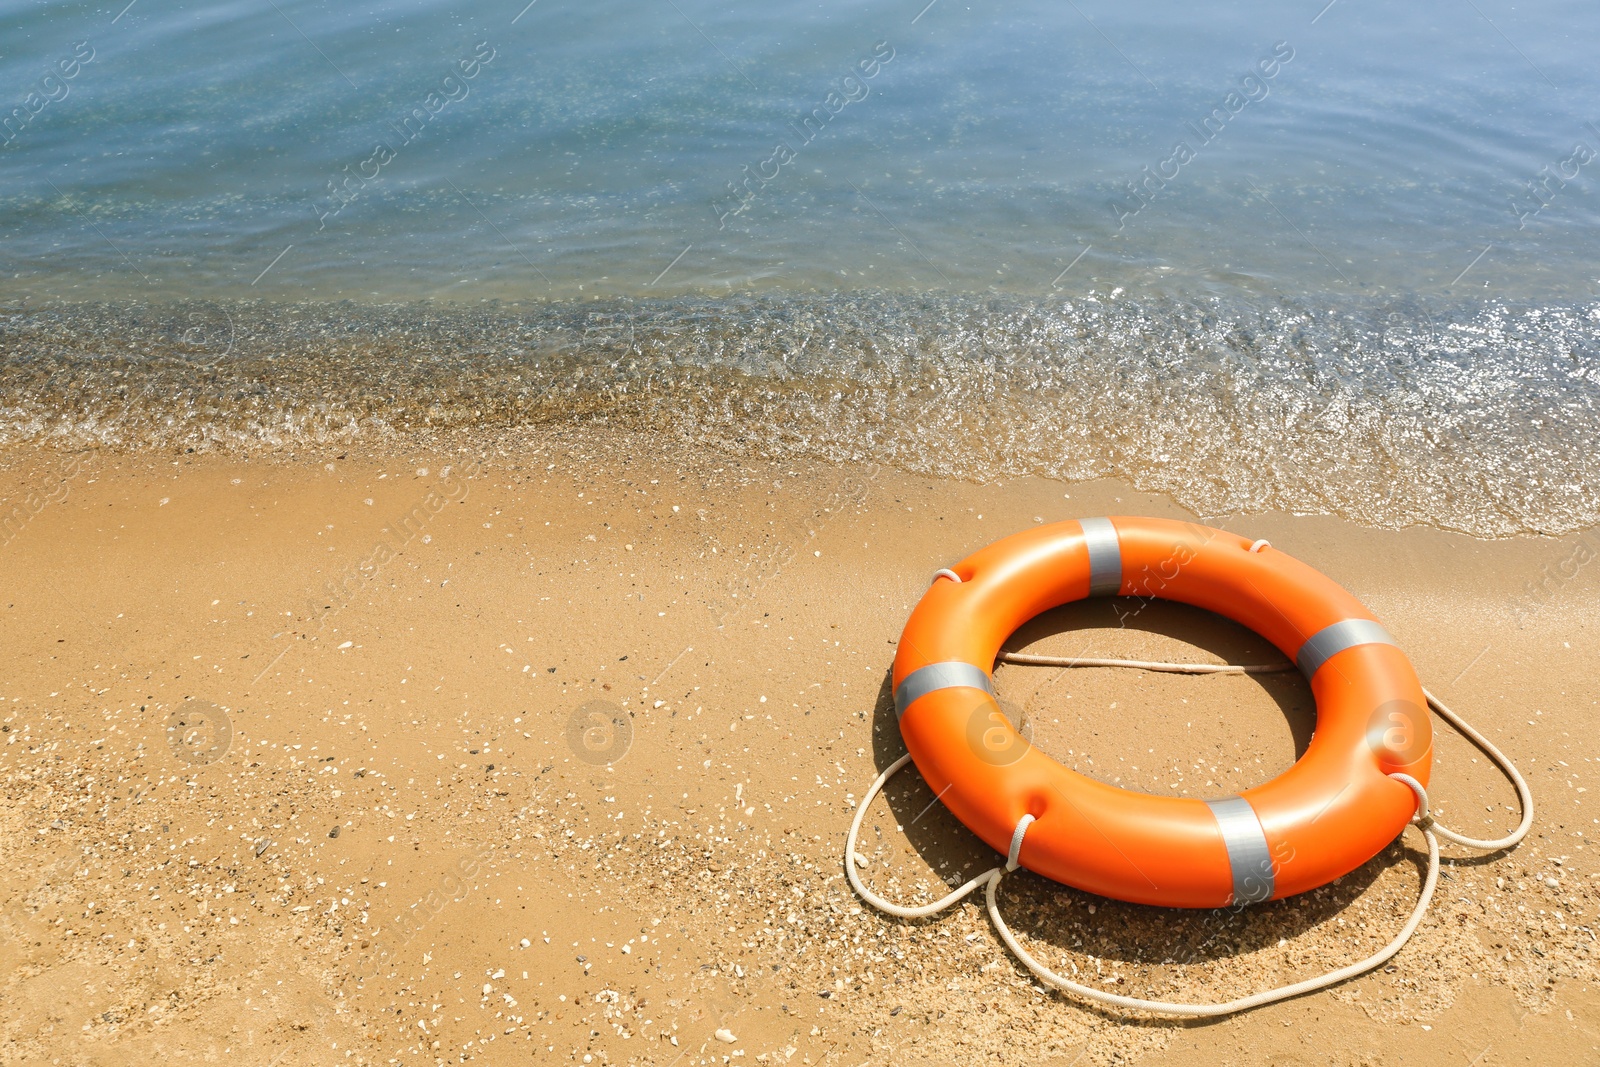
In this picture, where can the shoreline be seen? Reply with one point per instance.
(210, 652)
(1468, 415)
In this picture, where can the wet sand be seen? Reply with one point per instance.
(544, 749)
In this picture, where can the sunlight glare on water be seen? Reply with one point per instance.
(1315, 257)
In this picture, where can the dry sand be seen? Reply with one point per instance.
(305, 762)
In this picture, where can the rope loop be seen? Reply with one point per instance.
(1016, 843)
(946, 572)
(1421, 818)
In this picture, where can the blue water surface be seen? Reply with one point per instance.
(291, 149)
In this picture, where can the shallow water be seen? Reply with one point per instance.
(1474, 417)
(1326, 258)
(986, 150)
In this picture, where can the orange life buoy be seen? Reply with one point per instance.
(1329, 813)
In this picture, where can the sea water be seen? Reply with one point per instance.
(1325, 257)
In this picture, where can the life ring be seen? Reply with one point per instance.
(1331, 812)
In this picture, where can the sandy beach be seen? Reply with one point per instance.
(466, 471)
(543, 749)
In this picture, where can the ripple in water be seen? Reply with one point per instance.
(1475, 417)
